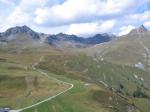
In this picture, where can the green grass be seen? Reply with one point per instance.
(142, 104)
(20, 85)
(85, 68)
(126, 50)
(76, 69)
(8, 82)
(80, 99)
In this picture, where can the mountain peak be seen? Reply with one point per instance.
(25, 27)
(139, 30)
(142, 28)
(18, 29)
(21, 30)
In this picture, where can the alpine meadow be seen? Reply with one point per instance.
(74, 56)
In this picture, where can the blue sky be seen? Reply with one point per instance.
(80, 17)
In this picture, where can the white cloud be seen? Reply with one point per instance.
(73, 11)
(18, 17)
(107, 25)
(84, 29)
(22, 14)
(125, 29)
(74, 16)
(139, 16)
(147, 23)
(8, 2)
(135, 19)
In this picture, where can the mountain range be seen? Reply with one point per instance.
(101, 73)
(58, 40)
(129, 49)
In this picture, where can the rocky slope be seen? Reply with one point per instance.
(59, 40)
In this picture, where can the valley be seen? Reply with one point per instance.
(74, 55)
(39, 76)
(22, 85)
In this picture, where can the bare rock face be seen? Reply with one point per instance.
(75, 41)
(54, 40)
(19, 30)
(140, 30)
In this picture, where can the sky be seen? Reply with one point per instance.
(79, 17)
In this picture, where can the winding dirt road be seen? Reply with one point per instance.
(50, 77)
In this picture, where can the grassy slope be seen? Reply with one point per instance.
(20, 85)
(125, 50)
(82, 99)
(142, 104)
(85, 68)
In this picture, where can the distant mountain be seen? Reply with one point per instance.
(64, 41)
(139, 30)
(75, 41)
(132, 53)
(130, 49)
(15, 31)
(59, 40)
(98, 38)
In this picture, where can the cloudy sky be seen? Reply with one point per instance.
(80, 17)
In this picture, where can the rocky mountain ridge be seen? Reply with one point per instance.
(55, 40)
